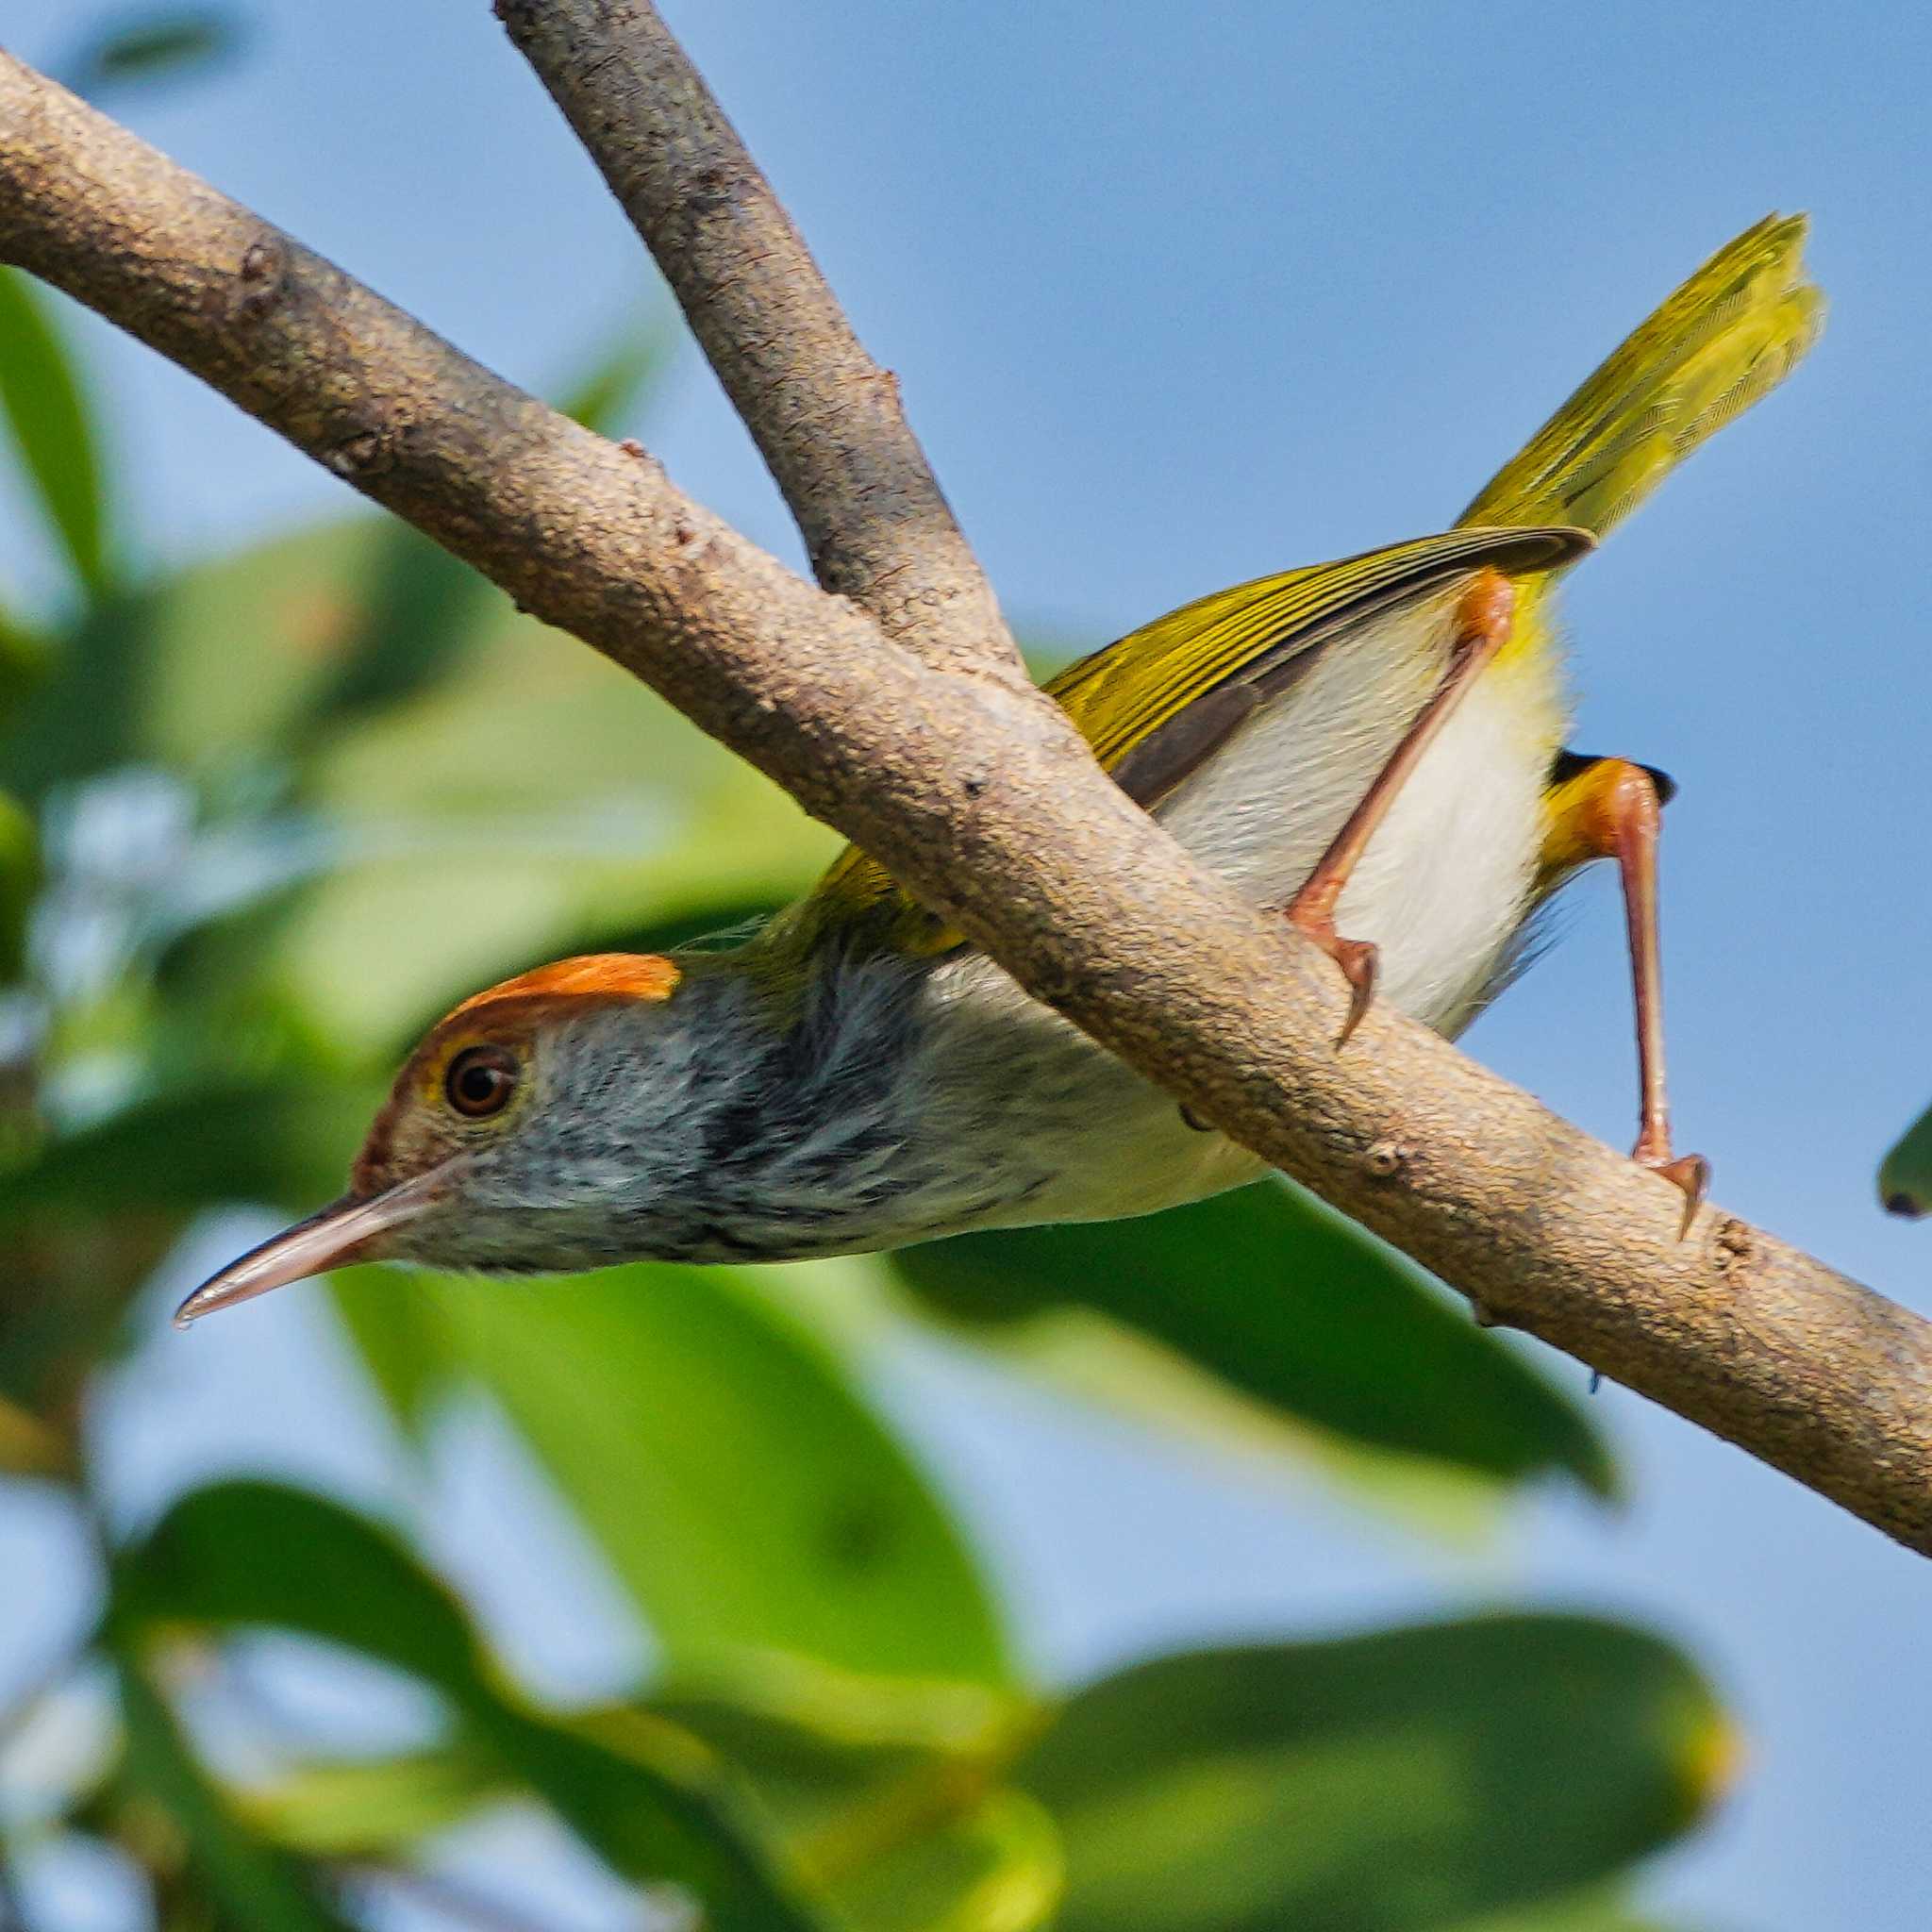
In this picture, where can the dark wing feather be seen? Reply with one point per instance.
(1164, 699)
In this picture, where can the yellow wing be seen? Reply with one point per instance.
(1138, 702)
(1160, 700)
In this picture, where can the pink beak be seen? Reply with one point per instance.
(341, 1232)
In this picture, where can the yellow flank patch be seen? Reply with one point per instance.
(1569, 810)
(1581, 815)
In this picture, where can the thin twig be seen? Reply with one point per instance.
(986, 804)
(826, 418)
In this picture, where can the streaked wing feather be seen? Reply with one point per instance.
(1246, 646)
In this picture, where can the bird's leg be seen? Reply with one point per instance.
(1611, 809)
(1482, 627)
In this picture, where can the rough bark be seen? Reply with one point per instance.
(826, 417)
(983, 800)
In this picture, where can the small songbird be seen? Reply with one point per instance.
(1372, 748)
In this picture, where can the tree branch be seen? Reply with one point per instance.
(984, 800)
(826, 418)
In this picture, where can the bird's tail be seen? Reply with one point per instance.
(1728, 336)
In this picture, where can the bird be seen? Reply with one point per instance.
(1372, 748)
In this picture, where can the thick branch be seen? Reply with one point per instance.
(986, 804)
(825, 415)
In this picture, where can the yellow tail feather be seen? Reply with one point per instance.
(1728, 336)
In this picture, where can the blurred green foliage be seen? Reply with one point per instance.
(149, 44)
(1905, 1176)
(260, 819)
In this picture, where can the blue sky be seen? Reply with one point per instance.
(1177, 296)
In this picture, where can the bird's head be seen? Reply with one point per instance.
(516, 1137)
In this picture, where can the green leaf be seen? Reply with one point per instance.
(255, 1885)
(43, 400)
(884, 1795)
(512, 849)
(240, 645)
(420, 610)
(887, 1794)
(374, 1807)
(468, 841)
(815, 1743)
(258, 1552)
(644, 1795)
(401, 1338)
(1594, 1912)
(744, 1494)
(164, 43)
(84, 1221)
(20, 881)
(239, 654)
(67, 1287)
(1905, 1180)
(283, 1143)
(626, 374)
(997, 1866)
(1294, 1307)
(26, 657)
(82, 713)
(1403, 1782)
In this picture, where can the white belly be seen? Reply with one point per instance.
(1443, 884)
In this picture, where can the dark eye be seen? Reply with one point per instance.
(480, 1080)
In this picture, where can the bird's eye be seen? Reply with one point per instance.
(480, 1081)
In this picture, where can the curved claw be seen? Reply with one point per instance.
(1687, 1172)
(1361, 963)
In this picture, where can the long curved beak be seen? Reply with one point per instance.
(341, 1233)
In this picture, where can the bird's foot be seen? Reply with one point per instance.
(1689, 1174)
(1359, 961)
